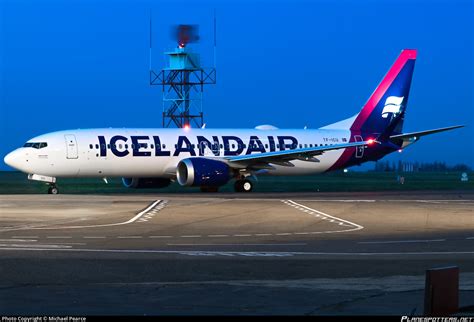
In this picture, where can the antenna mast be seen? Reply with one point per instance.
(183, 80)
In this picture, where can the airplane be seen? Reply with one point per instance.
(210, 158)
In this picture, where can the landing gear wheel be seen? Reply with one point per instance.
(247, 186)
(243, 185)
(53, 190)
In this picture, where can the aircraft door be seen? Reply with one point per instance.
(359, 149)
(71, 146)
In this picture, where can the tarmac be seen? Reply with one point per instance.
(256, 254)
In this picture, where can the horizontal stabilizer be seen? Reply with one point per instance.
(422, 133)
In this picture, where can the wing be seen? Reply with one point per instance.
(262, 160)
(415, 135)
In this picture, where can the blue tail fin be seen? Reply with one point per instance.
(384, 112)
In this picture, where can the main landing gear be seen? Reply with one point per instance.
(53, 190)
(243, 185)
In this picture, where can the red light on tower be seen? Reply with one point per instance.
(186, 126)
(370, 141)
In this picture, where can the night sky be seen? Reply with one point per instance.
(84, 64)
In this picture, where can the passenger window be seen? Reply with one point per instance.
(91, 146)
(126, 146)
(96, 146)
(233, 146)
(152, 146)
(164, 146)
(108, 146)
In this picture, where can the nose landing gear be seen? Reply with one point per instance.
(53, 190)
(51, 181)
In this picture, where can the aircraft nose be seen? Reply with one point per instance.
(12, 159)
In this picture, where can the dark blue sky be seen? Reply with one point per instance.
(82, 64)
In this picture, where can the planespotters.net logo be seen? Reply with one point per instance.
(437, 319)
(393, 104)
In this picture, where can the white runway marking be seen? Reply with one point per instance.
(457, 202)
(149, 215)
(348, 200)
(310, 211)
(321, 215)
(18, 240)
(287, 244)
(337, 200)
(63, 243)
(26, 237)
(158, 205)
(58, 237)
(35, 246)
(132, 220)
(129, 237)
(403, 241)
(62, 248)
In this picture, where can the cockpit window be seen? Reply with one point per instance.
(35, 145)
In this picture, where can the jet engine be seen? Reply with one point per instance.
(194, 172)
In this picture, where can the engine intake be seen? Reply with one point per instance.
(146, 183)
(194, 172)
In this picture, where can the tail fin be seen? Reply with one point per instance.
(384, 112)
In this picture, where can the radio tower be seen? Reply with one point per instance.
(183, 80)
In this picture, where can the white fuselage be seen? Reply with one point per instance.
(137, 153)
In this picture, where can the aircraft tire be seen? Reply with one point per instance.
(243, 186)
(53, 190)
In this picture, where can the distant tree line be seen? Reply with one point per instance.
(401, 166)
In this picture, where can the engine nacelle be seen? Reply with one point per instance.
(144, 183)
(202, 172)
